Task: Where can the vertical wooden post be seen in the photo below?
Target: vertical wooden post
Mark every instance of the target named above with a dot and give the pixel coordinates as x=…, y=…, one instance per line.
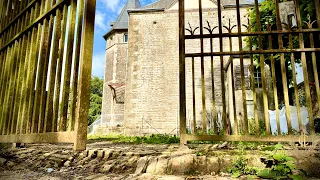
x=182, y=75
x=85, y=76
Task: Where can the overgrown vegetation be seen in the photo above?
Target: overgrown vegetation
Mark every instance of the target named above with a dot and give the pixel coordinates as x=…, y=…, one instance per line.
x=152, y=139
x=278, y=166
x=268, y=18
x=240, y=165
x=95, y=99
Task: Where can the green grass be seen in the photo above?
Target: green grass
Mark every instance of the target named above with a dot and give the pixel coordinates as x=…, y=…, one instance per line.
x=152, y=139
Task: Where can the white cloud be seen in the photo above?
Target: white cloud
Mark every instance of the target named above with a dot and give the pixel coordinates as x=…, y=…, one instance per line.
x=100, y=20
x=113, y=5
x=98, y=64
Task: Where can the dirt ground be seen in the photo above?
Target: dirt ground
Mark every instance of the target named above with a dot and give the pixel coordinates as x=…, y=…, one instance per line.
x=50, y=161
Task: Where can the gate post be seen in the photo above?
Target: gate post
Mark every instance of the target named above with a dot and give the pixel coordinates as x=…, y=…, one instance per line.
x=83, y=102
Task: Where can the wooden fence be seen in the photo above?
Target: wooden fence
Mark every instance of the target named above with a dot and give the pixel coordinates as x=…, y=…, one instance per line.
x=275, y=45
x=45, y=70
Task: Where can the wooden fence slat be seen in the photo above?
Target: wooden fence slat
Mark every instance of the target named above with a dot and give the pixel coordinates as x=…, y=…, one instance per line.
x=85, y=77
x=29, y=105
x=19, y=86
x=58, y=82
x=44, y=77
x=32, y=49
x=67, y=68
x=22, y=73
x=7, y=92
x=76, y=65
x=15, y=89
x=24, y=100
x=39, y=84
x=3, y=89
x=54, y=59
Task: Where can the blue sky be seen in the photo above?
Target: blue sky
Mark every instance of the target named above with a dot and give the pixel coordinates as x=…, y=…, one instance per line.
x=106, y=12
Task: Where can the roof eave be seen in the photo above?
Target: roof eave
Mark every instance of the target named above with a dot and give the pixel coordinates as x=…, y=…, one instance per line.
x=113, y=31
x=145, y=10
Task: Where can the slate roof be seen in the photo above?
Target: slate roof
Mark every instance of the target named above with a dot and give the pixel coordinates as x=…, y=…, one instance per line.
x=164, y=4
x=122, y=21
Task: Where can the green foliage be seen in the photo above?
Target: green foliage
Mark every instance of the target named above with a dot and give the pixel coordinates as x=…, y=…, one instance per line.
x=273, y=148
x=281, y=166
x=268, y=17
x=152, y=139
x=240, y=165
x=95, y=99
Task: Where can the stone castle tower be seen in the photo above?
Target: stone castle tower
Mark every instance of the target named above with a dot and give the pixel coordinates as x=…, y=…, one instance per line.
x=115, y=71
x=141, y=88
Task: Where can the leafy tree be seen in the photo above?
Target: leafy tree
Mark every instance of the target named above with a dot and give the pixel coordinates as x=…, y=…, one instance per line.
x=268, y=19
x=95, y=99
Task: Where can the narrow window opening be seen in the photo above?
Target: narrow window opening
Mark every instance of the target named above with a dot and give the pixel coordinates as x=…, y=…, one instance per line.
x=125, y=38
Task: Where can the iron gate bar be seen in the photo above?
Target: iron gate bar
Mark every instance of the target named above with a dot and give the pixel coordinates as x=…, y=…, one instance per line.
x=244, y=98
x=235, y=127
x=305, y=71
x=273, y=51
x=255, y=107
x=236, y=34
x=182, y=70
x=314, y=63
x=270, y=51
x=215, y=120
x=274, y=83
x=263, y=75
x=224, y=113
x=204, y=109
x=35, y=22
x=295, y=85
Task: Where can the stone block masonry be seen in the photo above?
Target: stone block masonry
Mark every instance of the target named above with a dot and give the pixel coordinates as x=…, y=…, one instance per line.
x=152, y=81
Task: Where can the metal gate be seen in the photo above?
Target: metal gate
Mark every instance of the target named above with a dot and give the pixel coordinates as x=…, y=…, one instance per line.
x=239, y=55
x=45, y=70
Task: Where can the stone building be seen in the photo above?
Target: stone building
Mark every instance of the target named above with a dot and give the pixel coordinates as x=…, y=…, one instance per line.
x=141, y=88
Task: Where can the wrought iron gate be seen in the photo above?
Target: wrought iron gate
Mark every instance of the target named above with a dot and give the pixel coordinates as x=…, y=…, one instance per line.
x=280, y=41
x=45, y=70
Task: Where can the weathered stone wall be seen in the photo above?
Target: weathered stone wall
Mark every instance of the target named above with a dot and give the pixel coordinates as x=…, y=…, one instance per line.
x=152, y=84
x=115, y=72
